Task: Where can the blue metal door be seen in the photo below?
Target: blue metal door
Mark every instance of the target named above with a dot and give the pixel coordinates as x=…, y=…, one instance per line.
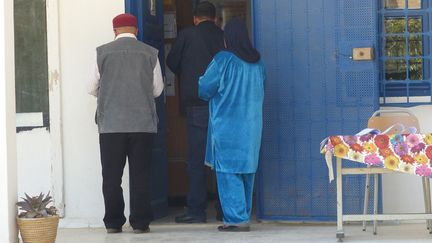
x=313, y=89
x=150, y=24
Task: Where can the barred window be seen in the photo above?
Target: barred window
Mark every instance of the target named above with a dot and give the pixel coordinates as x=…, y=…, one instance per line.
x=405, y=52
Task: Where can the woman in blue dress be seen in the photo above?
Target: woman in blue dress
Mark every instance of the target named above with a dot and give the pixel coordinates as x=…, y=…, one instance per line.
x=234, y=86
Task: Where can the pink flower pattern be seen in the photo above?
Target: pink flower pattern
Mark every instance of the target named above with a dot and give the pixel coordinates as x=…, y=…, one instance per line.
x=412, y=140
x=418, y=148
x=373, y=159
x=350, y=139
x=402, y=146
x=400, y=149
x=424, y=170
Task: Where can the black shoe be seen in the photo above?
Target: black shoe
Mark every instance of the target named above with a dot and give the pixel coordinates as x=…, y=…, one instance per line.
x=187, y=219
x=141, y=231
x=113, y=230
x=233, y=228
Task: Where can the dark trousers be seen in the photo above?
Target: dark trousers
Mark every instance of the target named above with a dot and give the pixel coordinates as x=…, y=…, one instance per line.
x=197, y=123
x=114, y=148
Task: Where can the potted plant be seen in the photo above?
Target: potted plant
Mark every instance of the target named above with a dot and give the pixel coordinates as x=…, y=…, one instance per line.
x=36, y=221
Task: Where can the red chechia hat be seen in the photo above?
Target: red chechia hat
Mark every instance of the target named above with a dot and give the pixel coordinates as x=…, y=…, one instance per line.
x=123, y=20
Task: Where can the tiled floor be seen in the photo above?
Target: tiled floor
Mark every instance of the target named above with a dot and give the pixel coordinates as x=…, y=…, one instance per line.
x=165, y=230
x=261, y=232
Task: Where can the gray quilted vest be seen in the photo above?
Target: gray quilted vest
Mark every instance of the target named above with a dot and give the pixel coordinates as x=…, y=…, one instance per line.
x=125, y=101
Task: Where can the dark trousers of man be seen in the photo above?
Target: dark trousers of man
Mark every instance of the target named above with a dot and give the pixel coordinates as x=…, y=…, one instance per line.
x=197, y=123
x=114, y=148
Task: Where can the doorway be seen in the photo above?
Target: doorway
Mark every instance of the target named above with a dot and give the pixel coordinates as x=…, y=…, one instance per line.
x=313, y=89
x=178, y=14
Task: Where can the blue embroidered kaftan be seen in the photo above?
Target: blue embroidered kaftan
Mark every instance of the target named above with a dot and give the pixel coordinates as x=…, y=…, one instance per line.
x=235, y=91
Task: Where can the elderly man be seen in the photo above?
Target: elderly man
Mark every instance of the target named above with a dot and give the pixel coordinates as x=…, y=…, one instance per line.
x=126, y=81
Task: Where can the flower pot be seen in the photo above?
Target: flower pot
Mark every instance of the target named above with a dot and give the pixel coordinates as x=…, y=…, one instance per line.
x=38, y=230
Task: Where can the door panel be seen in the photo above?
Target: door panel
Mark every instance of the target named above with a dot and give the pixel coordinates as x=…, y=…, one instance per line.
x=150, y=24
x=313, y=90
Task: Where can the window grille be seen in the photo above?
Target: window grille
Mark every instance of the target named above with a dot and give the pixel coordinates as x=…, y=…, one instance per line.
x=405, y=52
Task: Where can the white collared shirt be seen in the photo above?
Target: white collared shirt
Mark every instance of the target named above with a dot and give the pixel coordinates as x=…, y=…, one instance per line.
x=158, y=85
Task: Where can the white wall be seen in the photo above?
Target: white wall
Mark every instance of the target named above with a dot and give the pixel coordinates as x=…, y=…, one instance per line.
x=34, y=168
x=404, y=193
x=84, y=25
x=8, y=176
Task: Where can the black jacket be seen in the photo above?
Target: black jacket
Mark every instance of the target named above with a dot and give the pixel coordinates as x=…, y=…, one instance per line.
x=189, y=57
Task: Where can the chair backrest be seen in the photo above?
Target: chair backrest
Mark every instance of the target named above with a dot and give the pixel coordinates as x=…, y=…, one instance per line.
x=383, y=119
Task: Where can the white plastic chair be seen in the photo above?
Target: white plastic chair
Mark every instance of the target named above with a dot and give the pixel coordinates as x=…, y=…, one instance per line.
x=381, y=120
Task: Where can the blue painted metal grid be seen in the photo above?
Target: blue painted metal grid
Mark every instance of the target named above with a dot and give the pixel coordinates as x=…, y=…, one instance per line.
x=408, y=87
x=313, y=90
x=150, y=31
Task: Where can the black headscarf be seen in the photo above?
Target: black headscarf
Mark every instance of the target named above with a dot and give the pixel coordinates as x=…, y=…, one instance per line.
x=238, y=42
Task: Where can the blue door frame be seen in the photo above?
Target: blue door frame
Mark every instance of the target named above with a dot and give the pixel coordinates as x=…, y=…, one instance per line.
x=150, y=31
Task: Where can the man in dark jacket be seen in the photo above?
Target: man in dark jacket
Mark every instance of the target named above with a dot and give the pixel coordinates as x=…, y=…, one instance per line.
x=189, y=57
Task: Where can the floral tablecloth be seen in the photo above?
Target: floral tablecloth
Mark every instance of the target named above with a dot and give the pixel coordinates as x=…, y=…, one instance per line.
x=406, y=153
